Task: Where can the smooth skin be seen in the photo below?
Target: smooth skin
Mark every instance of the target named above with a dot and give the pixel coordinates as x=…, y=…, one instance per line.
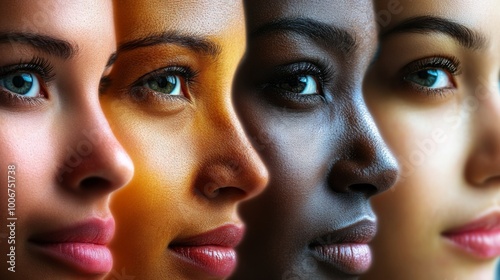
x=298, y=94
x=194, y=163
x=67, y=160
x=435, y=97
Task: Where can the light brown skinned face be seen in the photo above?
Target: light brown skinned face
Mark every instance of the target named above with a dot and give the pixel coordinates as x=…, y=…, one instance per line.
x=193, y=160
x=445, y=135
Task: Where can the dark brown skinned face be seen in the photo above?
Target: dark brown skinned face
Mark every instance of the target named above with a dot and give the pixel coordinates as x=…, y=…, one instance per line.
x=299, y=95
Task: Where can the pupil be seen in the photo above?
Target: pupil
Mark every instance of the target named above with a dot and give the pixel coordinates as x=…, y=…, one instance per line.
x=18, y=81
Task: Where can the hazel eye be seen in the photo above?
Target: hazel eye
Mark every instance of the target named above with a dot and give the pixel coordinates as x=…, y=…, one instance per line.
x=22, y=83
x=301, y=84
x=165, y=84
x=430, y=78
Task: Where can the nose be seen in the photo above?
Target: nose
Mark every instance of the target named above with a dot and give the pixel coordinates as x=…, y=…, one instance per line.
x=363, y=163
x=94, y=162
x=231, y=169
x=483, y=164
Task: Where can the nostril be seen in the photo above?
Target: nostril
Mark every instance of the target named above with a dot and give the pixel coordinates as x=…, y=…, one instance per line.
x=367, y=189
x=94, y=184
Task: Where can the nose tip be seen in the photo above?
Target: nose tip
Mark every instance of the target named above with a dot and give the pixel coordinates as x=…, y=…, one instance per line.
x=96, y=163
x=365, y=164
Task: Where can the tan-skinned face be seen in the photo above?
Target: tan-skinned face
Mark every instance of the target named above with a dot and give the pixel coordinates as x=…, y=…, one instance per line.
x=447, y=141
x=67, y=159
x=184, y=148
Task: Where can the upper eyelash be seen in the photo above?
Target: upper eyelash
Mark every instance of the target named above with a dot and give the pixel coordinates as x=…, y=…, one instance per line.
x=37, y=65
x=451, y=64
x=324, y=74
x=187, y=74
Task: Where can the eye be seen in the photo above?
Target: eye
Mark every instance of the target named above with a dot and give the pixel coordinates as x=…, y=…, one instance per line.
x=165, y=84
x=21, y=83
x=430, y=78
x=301, y=84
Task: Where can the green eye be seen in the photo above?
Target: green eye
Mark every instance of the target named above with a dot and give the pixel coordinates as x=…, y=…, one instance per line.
x=21, y=83
x=166, y=84
x=302, y=84
x=430, y=78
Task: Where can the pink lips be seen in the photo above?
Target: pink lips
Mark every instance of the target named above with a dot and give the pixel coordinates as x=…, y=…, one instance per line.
x=347, y=249
x=480, y=238
x=82, y=246
x=211, y=252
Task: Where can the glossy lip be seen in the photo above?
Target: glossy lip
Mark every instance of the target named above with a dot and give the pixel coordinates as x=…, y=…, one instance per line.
x=346, y=249
x=81, y=246
x=481, y=237
x=211, y=252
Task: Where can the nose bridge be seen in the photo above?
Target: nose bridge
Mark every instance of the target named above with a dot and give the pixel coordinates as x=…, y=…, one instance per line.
x=95, y=162
x=484, y=162
x=365, y=159
x=230, y=161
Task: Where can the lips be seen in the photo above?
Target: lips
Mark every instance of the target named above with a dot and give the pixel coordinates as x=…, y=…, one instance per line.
x=481, y=237
x=346, y=249
x=81, y=246
x=212, y=252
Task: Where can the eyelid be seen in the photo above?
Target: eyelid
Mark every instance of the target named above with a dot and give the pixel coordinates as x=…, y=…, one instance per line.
x=449, y=64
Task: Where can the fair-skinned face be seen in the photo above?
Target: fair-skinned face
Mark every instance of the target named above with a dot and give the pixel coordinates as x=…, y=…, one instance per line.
x=434, y=94
x=67, y=161
x=169, y=98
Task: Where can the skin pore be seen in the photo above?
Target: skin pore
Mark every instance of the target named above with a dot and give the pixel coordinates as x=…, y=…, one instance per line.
x=169, y=100
x=53, y=131
x=298, y=94
x=434, y=94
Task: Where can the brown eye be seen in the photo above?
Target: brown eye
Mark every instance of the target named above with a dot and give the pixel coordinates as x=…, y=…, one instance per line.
x=302, y=84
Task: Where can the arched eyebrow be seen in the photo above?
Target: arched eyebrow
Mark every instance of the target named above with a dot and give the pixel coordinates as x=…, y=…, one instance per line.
x=429, y=24
x=193, y=42
x=44, y=43
x=315, y=30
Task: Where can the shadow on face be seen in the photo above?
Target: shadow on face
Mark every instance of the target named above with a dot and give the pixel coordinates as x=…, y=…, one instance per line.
x=298, y=94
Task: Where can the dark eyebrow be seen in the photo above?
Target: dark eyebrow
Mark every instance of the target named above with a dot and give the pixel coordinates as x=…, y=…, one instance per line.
x=428, y=24
x=47, y=44
x=194, y=42
x=317, y=31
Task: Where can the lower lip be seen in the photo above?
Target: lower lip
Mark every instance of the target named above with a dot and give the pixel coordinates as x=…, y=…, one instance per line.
x=215, y=261
x=85, y=257
x=482, y=244
x=350, y=258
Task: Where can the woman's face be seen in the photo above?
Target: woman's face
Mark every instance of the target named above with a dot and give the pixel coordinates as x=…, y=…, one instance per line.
x=434, y=92
x=169, y=99
x=59, y=159
x=298, y=94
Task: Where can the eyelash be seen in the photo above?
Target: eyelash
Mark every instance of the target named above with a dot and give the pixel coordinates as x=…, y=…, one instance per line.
x=39, y=66
x=139, y=92
x=449, y=64
x=322, y=73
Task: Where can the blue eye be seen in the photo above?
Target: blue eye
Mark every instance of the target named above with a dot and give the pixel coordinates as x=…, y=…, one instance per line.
x=301, y=84
x=166, y=84
x=21, y=83
x=430, y=78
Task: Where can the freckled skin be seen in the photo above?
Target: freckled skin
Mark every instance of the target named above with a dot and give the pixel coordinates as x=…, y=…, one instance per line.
x=39, y=137
x=325, y=158
x=181, y=147
x=450, y=179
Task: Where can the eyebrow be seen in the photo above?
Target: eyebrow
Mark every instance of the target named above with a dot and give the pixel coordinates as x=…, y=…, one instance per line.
x=190, y=41
x=315, y=30
x=44, y=43
x=429, y=24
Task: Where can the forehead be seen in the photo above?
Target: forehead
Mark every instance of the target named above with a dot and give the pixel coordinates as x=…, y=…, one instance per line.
x=58, y=18
x=356, y=16
x=205, y=17
x=480, y=15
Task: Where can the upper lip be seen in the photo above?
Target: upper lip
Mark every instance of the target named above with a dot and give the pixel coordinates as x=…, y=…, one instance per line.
x=225, y=236
x=94, y=231
x=488, y=222
x=361, y=232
